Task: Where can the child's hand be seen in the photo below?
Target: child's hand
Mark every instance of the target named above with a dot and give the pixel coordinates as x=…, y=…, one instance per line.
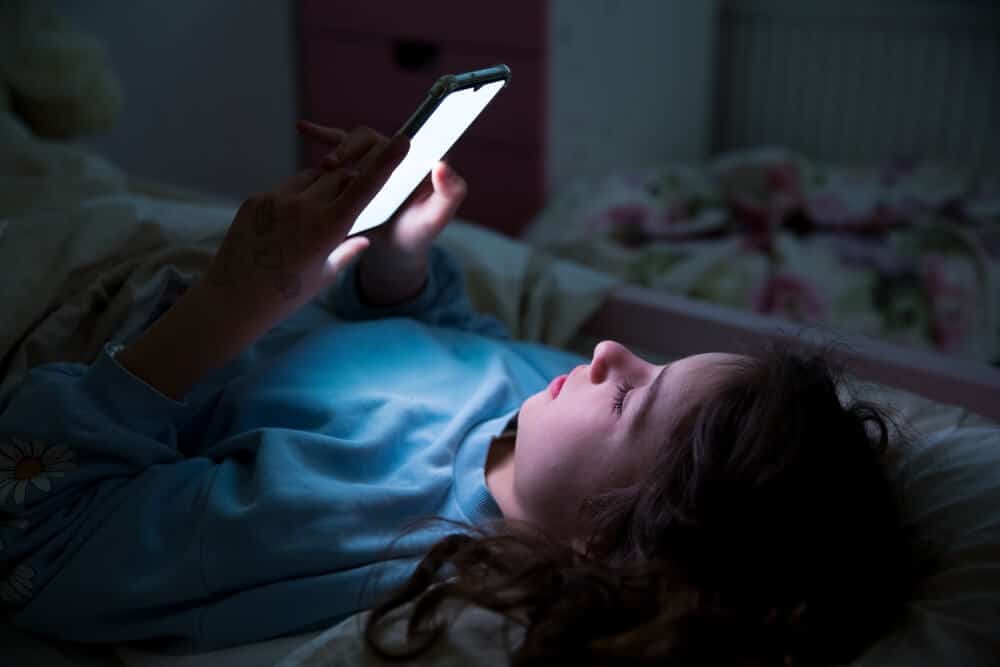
x=283, y=247
x=395, y=267
x=425, y=214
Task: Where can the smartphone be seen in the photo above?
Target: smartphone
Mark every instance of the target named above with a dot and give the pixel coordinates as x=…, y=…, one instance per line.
x=453, y=102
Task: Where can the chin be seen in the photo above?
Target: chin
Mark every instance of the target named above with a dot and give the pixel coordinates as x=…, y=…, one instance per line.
x=532, y=403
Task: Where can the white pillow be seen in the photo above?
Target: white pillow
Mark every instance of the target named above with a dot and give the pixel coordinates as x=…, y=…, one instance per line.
x=950, y=485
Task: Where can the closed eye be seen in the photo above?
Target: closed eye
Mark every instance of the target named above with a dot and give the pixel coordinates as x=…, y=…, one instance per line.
x=623, y=389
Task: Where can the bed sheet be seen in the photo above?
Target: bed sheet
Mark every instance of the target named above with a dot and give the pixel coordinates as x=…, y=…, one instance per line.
x=260, y=654
x=908, y=253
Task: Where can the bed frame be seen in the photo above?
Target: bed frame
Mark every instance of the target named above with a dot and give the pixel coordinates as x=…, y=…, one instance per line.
x=675, y=326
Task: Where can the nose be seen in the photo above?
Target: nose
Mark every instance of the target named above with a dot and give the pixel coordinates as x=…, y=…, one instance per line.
x=607, y=355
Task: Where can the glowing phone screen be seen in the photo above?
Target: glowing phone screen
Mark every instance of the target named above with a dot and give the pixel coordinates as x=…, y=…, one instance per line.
x=437, y=135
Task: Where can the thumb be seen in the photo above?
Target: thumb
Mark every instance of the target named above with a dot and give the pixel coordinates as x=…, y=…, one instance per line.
x=343, y=255
x=449, y=193
x=447, y=182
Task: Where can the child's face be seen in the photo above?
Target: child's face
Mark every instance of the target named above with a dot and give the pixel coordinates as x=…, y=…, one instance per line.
x=599, y=428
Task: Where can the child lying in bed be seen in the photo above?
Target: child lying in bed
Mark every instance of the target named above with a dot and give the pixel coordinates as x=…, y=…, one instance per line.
x=238, y=471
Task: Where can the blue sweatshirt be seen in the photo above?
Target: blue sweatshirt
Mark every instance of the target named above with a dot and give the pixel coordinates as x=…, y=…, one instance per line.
x=265, y=502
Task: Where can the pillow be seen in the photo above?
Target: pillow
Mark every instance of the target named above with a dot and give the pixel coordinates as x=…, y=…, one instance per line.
x=949, y=483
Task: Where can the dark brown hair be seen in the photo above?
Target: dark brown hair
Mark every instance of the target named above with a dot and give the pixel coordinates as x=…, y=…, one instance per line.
x=766, y=533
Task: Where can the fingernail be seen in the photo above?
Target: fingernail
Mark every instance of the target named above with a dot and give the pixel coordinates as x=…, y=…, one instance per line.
x=331, y=160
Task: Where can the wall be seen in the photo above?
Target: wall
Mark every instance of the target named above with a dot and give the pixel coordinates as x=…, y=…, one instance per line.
x=211, y=92
x=862, y=82
x=631, y=83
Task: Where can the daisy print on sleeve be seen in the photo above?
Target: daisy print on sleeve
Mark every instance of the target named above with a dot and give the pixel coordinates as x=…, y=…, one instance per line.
x=17, y=586
x=30, y=464
x=11, y=524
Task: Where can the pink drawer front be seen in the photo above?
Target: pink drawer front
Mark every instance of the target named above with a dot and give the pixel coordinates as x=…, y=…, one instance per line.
x=506, y=185
x=361, y=82
x=517, y=23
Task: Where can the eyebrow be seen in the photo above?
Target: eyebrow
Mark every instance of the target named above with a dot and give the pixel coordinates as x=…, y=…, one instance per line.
x=648, y=398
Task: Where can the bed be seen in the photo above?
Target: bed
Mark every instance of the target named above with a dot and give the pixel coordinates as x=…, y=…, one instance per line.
x=117, y=238
x=903, y=254
x=832, y=190
x=84, y=246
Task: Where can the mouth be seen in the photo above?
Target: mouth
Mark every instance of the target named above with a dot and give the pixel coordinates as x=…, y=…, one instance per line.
x=556, y=385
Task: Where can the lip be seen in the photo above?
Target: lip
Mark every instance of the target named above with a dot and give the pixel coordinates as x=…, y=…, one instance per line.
x=556, y=385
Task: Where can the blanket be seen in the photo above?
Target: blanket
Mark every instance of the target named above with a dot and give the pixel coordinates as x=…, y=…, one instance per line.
x=908, y=252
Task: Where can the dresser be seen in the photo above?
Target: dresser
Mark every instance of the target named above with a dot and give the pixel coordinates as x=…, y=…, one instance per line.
x=371, y=62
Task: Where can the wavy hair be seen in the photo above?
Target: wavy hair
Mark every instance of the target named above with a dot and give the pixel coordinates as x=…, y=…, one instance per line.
x=765, y=533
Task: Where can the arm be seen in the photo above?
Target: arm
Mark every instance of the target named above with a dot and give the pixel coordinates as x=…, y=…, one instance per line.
x=194, y=337
x=280, y=251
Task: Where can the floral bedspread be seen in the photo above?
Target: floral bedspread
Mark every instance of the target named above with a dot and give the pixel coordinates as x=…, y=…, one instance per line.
x=908, y=252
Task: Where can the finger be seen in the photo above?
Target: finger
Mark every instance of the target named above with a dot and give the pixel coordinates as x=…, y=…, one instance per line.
x=355, y=145
x=449, y=193
x=298, y=182
x=332, y=136
x=448, y=183
x=344, y=254
x=327, y=187
x=352, y=201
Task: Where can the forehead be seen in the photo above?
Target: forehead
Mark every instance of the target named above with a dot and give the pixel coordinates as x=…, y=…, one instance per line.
x=686, y=382
x=708, y=364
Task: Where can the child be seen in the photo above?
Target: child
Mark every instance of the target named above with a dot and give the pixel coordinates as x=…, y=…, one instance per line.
x=237, y=471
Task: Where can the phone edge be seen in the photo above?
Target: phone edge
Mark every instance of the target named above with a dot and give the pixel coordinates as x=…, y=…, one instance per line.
x=448, y=84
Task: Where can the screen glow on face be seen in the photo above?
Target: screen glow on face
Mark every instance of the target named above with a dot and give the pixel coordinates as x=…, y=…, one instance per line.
x=437, y=135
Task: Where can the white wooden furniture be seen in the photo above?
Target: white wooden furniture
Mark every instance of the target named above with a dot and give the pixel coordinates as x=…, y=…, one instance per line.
x=676, y=326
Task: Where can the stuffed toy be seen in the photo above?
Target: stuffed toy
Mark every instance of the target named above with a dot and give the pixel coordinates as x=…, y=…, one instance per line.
x=56, y=79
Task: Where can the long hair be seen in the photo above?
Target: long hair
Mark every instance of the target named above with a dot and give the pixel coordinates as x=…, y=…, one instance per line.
x=765, y=533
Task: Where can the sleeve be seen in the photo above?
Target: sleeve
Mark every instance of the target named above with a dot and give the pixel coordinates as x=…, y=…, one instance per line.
x=443, y=301
x=66, y=427
x=98, y=508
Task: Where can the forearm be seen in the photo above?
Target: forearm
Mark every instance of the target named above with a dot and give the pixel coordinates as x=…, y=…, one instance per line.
x=198, y=334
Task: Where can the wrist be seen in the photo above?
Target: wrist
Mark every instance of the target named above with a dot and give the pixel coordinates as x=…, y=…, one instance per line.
x=196, y=335
x=388, y=278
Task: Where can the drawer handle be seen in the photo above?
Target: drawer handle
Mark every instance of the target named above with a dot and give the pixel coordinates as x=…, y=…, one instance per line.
x=413, y=55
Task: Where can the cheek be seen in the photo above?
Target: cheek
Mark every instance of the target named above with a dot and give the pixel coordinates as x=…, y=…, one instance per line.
x=556, y=464
x=546, y=488
x=544, y=464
